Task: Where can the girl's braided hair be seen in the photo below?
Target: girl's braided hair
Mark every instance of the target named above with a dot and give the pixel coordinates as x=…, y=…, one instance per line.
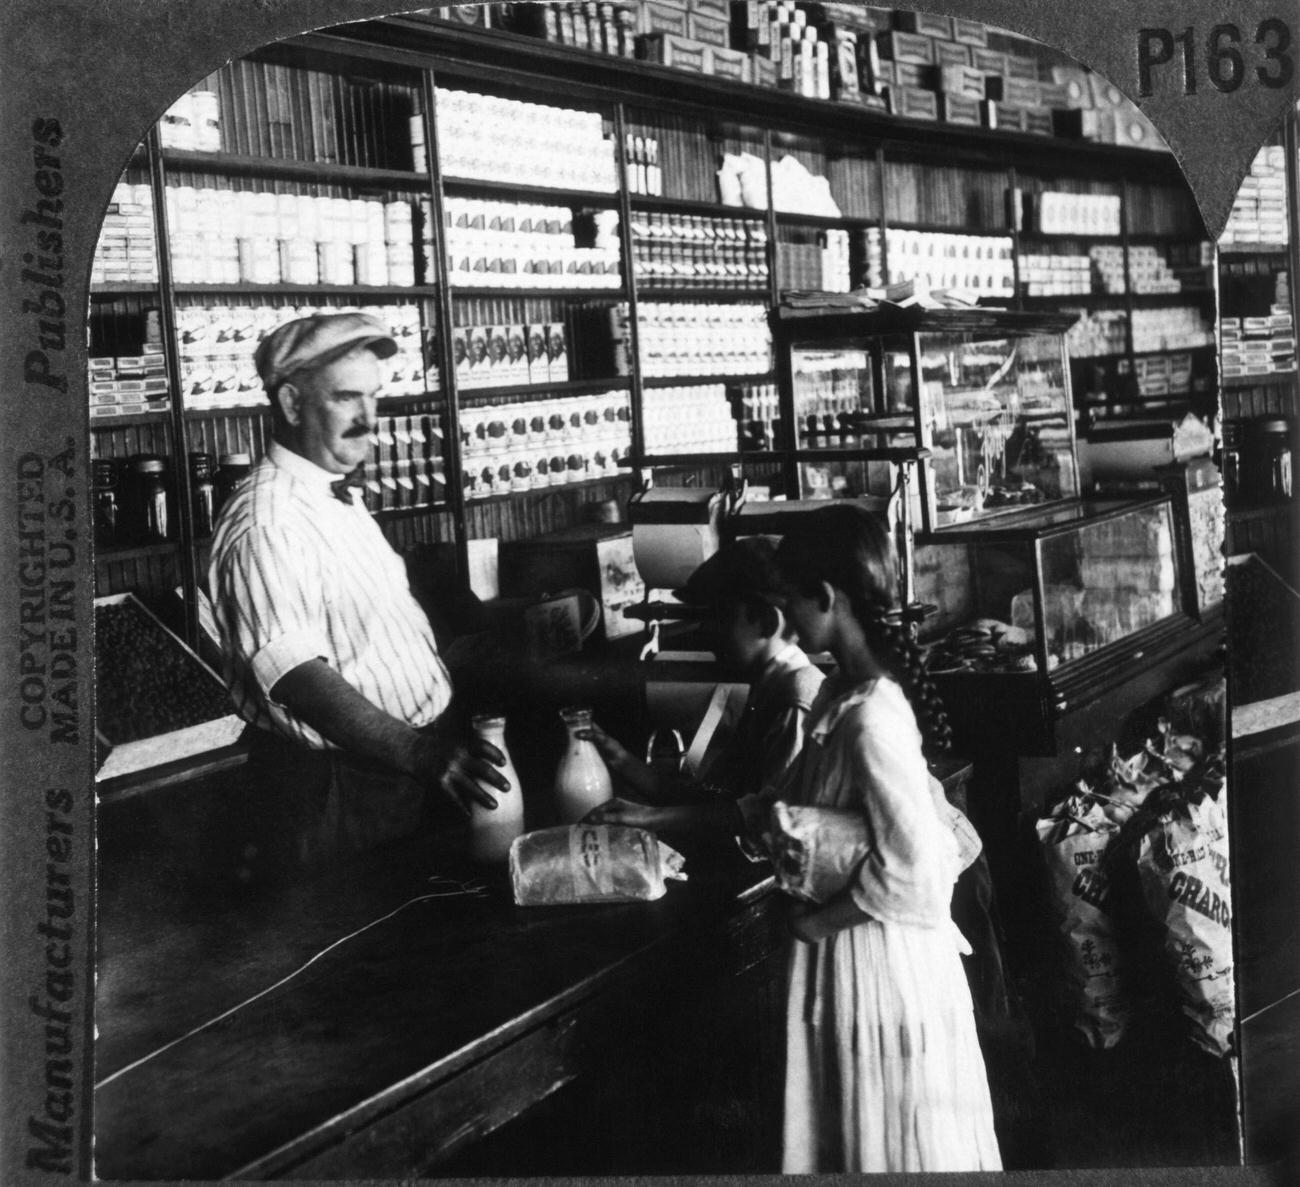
x=846, y=546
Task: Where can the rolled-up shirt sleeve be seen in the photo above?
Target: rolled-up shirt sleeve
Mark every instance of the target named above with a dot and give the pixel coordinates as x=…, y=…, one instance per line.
x=269, y=591
x=907, y=876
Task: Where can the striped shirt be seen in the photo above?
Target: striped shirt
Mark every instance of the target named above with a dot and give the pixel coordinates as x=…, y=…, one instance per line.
x=296, y=574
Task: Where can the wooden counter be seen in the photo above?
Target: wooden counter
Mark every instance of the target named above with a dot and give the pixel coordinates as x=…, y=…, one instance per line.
x=401, y=1045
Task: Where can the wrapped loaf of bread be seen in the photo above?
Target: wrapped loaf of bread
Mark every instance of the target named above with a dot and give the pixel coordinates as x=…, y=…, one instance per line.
x=591, y=863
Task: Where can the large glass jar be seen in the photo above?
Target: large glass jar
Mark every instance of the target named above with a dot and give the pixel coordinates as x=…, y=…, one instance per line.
x=104, y=484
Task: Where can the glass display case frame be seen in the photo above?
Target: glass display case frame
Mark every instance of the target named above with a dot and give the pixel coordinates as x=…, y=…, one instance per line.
x=902, y=425
x=1022, y=707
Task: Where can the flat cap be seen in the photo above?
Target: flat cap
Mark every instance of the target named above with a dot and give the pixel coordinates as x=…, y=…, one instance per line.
x=741, y=569
x=316, y=340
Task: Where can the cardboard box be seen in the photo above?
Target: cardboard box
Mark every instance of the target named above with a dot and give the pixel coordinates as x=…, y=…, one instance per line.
x=924, y=23
x=709, y=30
x=667, y=49
x=951, y=53
x=661, y=16
x=914, y=103
x=1038, y=121
x=731, y=63
x=906, y=47
x=969, y=32
x=962, y=80
x=988, y=61
x=1022, y=68
x=958, y=109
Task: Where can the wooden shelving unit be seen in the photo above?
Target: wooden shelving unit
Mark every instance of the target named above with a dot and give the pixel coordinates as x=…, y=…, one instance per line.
x=377, y=77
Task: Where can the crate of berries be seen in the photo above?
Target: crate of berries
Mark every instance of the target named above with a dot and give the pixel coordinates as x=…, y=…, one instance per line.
x=156, y=701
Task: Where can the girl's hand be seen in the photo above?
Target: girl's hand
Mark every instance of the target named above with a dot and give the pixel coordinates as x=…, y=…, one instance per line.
x=617, y=811
x=811, y=922
x=804, y=923
x=621, y=762
x=611, y=750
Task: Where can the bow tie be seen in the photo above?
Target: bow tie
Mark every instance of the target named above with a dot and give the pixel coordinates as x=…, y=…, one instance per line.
x=341, y=488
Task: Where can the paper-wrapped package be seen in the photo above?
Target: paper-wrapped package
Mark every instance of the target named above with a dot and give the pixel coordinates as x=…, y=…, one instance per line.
x=816, y=850
x=1074, y=839
x=591, y=863
x=1183, y=865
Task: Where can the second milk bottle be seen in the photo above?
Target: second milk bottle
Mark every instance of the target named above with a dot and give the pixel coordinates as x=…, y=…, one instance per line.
x=581, y=780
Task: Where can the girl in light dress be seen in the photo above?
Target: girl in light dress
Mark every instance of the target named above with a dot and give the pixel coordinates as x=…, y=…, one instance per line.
x=884, y=1071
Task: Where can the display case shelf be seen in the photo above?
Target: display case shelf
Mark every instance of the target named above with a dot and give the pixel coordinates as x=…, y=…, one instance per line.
x=696, y=379
x=655, y=203
x=574, y=387
x=509, y=191
x=378, y=291
x=314, y=172
x=129, y=420
x=475, y=292
x=663, y=292
x=123, y=288
x=832, y=222
x=1272, y=379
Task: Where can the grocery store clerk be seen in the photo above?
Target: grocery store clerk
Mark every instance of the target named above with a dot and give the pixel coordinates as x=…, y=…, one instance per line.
x=325, y=650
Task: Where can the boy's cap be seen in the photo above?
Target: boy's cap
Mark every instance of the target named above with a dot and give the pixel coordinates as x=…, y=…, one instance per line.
x=316, y=340
x=744, y=568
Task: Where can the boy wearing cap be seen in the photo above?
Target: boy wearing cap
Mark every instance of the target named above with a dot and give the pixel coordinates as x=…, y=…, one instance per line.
x=739, y=590
x=325, y=649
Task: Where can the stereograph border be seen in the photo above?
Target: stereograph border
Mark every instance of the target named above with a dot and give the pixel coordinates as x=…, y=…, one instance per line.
x=80, y=82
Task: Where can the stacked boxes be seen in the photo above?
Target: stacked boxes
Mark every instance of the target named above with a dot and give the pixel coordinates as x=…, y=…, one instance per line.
x=605, y=28
x=684, y=250
x=821, y=264
x=696, y=419
x=246, y=237
x=534, y=144
x=1098, y=332
x=407, y=468
x=1055, y=275
x=981, y=264
x=917, y=65
x=1258, y=345
x=1161, y=375
x=1259, y=210
x=683, y=338
x=517, y=446
x=1176, y=328
x=127, y=252
x=1055, y=213
x=128, y=383
x=193, y=122
x=505, y=355
x=512, y=245
x=217, y=344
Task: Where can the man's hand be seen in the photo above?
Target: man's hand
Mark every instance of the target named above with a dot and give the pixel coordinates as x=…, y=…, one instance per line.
x=462, y=770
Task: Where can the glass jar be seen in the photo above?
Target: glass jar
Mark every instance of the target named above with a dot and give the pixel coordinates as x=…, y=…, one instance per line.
x=151, y=488
x=232, y=470
x=104, y=495
x=1274, y=473
x=491, y=831
x=203, y=492
x=582, y=780
x=1230, y=461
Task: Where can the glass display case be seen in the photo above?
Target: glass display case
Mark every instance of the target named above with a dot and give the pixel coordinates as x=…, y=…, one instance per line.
x=1050, y=607
x=986, y=392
